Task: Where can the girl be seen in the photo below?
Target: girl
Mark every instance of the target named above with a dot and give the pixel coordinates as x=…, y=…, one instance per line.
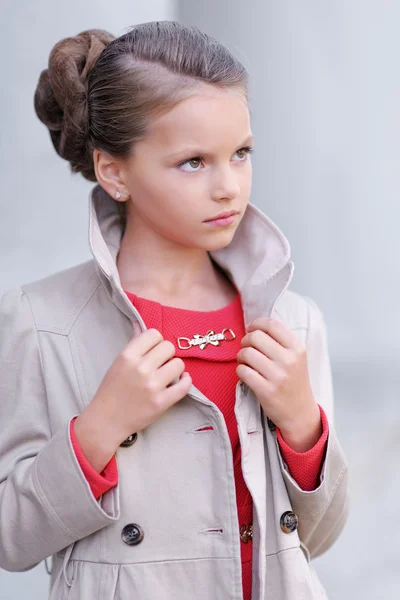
x=166, y=407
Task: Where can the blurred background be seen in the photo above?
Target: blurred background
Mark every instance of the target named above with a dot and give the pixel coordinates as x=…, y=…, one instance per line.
x=325, y=102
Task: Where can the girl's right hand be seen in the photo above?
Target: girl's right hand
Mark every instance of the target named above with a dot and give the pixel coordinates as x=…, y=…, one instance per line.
x=136, y=390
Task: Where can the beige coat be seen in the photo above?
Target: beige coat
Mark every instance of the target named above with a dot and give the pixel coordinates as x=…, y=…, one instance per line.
x=59, y=336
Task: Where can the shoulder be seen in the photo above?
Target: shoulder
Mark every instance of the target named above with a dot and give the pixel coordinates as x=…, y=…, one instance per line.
x=292, y=308
x=56, y=300
x=299, y=312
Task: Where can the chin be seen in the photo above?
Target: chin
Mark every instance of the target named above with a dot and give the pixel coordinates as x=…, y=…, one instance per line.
x=220, y=241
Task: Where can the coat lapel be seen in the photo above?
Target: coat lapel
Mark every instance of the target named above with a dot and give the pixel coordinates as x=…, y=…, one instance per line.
x=257, y=260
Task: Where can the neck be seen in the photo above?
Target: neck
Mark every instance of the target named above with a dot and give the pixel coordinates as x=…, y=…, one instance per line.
x=154, y=267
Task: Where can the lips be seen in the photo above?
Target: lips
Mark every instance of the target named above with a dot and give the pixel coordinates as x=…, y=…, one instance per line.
x=223, y=215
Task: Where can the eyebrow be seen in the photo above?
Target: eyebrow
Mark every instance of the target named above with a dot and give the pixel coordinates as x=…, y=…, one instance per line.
x=194, y=151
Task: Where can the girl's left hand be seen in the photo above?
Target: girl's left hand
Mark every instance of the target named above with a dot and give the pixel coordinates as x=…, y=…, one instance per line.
x=273, y=363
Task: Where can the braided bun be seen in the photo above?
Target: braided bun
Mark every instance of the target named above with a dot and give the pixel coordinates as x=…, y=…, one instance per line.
x=60, y=98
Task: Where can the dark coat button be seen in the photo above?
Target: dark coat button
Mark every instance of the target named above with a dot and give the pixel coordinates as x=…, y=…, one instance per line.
x=271, y=424
x=289, y=522
x=132, y=534
x=129, y=440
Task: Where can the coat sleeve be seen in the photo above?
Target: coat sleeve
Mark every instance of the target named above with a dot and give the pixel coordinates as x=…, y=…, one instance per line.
x=45, y=501
x=322, y=512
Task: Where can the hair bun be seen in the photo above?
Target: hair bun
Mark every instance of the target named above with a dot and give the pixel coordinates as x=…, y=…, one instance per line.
x=61, y=93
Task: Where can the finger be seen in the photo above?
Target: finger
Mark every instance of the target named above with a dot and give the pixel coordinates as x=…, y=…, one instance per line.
x=166, y=374
x=175, y=392
x=157, y=356
x=256, y=382
x=278, y=330
x=257, y=361
x=144, y=342
x=265, y=344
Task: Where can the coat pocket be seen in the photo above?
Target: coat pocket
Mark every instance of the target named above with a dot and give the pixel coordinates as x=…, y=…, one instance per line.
x=85, y=580
x=289, y=576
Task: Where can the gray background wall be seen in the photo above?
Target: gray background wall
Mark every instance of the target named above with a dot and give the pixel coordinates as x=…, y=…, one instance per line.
x=325, y=105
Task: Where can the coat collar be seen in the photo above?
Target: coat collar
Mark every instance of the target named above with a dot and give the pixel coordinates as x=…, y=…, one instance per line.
x=257, y=260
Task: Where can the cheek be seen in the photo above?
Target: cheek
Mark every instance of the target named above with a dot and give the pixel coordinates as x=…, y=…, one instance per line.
x=165, y=211
x=169, y=200
x=246, y=180
x=172, y=184
x=180, y=198
x=154, y=197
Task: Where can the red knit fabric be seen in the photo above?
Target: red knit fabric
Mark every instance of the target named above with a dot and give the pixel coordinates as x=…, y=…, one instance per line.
x=213, y=372
x=305, y=467
x=99, y=482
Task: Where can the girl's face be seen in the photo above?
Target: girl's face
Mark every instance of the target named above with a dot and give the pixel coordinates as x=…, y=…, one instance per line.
x=194, y=164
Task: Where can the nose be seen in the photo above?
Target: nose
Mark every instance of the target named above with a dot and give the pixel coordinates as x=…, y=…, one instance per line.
x=225, y=184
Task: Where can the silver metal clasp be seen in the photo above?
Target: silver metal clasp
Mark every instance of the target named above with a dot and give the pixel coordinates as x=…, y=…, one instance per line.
x=210, y=338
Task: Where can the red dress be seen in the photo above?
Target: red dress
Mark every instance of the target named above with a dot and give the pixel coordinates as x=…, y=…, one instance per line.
x=213, y=372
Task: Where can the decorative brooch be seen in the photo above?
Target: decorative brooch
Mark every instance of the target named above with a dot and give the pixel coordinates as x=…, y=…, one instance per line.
x=210, y=338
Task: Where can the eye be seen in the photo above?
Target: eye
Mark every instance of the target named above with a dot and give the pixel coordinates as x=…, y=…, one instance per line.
x=193, y=164
x=243, y=152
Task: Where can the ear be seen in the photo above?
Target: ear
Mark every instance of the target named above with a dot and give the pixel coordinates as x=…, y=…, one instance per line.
x=110, y=173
